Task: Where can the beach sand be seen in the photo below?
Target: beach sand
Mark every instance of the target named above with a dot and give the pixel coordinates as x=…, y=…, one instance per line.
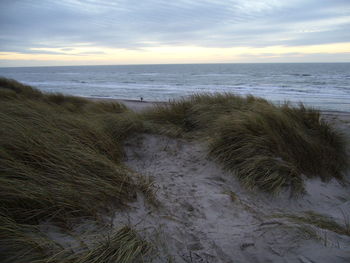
x=135, y=105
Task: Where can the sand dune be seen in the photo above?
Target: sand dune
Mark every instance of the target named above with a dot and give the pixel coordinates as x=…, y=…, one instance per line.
x=206, y=216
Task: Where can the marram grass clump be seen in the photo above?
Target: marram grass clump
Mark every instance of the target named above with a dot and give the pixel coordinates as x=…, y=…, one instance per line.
x=276, y=146
x=60, y=160
x=198, y=112
x=320, y=221
x=265, y=145
x=123, y=245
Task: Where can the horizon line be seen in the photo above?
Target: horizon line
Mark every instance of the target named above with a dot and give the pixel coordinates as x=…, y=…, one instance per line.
x=167, y=64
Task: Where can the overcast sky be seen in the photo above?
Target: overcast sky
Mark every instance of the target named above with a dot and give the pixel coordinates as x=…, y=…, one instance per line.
x=73, y=32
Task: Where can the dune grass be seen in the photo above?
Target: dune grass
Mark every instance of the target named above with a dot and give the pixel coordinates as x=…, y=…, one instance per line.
x=197, y=113
x=26, y=243
x=60, y=159
x=123, y=245
x=265, y=145
x=319, y=221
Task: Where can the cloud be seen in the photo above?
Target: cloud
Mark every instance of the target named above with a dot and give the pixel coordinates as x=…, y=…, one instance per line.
x=132, y=24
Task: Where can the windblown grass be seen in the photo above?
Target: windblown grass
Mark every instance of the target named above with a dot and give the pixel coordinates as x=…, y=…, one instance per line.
x=267, y=146
x=13, y=89
x=60, y=159
x=198, y=112
x=72, y=155
x=319, y=221
x=26, y=243
x=22, y=243
x=124, y=245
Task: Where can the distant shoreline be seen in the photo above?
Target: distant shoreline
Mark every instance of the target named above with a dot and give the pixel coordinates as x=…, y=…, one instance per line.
x=139, y=105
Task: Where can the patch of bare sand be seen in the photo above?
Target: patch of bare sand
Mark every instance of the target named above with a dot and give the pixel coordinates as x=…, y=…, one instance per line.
x=204, y=215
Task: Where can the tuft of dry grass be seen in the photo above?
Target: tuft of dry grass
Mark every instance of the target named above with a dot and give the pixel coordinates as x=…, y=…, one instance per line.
x=13, y=89
x=123, y=245
x=319, y=221
x=24, y=242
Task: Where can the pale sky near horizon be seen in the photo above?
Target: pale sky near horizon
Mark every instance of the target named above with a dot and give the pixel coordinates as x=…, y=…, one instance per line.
x=91, y=32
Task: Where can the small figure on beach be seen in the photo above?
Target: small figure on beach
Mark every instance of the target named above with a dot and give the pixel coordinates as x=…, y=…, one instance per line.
x=141, y=99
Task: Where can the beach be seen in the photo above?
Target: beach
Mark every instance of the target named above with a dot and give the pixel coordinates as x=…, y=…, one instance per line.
x=211, y=178
x=175, y=131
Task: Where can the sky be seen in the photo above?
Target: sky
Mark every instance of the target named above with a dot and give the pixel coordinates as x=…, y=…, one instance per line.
x=106, y=32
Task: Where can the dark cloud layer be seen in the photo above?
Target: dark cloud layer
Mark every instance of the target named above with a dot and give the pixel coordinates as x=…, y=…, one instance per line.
x=26, y=24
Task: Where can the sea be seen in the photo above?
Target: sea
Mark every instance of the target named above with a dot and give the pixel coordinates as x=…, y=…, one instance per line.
x=325, y=86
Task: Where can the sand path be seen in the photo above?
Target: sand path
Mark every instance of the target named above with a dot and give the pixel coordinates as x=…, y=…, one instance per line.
x=204, y=215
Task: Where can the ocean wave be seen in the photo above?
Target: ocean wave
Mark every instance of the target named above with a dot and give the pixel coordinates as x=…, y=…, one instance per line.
x=300, y=75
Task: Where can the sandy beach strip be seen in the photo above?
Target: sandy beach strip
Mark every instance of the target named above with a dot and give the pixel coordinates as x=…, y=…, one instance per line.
x=135, y=105
x=138, y=106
